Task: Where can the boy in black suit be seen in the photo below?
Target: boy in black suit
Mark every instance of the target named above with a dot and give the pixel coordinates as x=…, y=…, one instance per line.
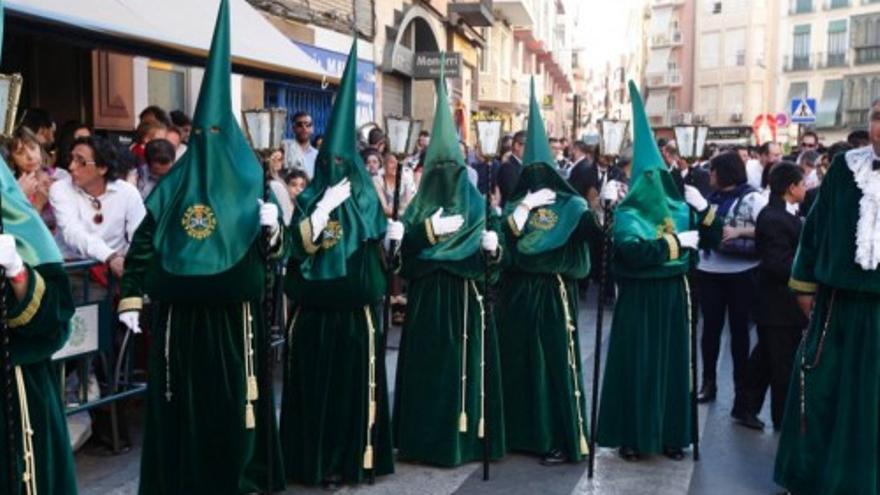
x=779, y=319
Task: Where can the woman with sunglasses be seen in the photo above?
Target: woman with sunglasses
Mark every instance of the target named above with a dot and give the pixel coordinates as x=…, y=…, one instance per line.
x=96, y=211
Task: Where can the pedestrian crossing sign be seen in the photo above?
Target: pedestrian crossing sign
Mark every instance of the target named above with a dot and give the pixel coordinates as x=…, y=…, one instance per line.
x=803, y=110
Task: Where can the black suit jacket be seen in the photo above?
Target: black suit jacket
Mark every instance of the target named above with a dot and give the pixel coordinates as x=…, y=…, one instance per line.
x=696, y=177
x=508, y=176
x=776, y=238
x=809, y=199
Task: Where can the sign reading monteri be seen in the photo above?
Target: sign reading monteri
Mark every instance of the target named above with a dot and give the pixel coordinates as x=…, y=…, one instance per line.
x=427, y=65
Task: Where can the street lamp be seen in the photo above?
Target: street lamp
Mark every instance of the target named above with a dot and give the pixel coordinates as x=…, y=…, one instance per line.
x=613, y=135
x=489, y=142
x=691, y=139
x=398, y=131
x=264, y=128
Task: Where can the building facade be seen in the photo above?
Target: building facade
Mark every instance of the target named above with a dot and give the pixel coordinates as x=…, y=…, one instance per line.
x=832, y=54
x=734, y=73
x=669, y=74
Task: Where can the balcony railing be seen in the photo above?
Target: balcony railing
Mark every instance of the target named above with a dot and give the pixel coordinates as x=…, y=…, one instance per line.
x=856, y=117
x=671, y=38
x=797, y=63
x=832, y=60
x=867, y=55
x=672, y=78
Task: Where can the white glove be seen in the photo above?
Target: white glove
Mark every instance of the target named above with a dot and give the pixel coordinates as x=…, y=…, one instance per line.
x=131, y=319
x=394, y=231
x=333, y=197
x=269, y=216
x=9, y=258
x=541, y=197
x=689, y=239
x=445, y=225
x=694, y=198
x=532, y=200
x=489, y=241
x=610, y=192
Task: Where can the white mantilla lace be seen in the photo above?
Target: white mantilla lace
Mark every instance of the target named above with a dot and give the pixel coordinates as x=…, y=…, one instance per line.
x=868, y=228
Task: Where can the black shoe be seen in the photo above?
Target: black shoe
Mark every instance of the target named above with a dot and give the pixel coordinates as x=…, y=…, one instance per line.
x=554, y=458
x=748, y=420
x=332, y=483
x=628, y=454
x=707, y=393
x=674, y=454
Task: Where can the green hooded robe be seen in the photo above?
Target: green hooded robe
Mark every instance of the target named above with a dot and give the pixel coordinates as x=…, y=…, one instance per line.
x=646, y=391
x=334, y=413
x=442, y=406
x=198, y=255
x=38, y=326
x=544, y=403
x=830, y=441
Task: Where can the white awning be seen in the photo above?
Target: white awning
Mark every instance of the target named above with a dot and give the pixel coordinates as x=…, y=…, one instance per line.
x=656, y=105
x=658, y=61
x=180, y=25
x=660, y=19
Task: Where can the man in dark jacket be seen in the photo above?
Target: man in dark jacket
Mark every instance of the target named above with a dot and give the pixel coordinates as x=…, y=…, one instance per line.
x=779, y=319
x=684, y=173
x=508, y=174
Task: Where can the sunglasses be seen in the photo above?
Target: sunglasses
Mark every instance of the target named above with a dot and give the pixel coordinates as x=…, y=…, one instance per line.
x=98, y=219
x=303, y=124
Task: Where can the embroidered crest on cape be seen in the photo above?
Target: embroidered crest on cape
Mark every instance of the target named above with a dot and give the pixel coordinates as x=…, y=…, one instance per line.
x=543, y=219
x=199, y=221
x=332, y=234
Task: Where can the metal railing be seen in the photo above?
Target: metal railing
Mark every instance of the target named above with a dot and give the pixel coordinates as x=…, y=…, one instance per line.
x=794, y=63
x=97, y=341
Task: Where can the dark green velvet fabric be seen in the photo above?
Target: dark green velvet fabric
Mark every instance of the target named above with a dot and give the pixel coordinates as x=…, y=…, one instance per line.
x=197, y=442
x=540, y=406
x=326, y=375
x=646, y=386
x=32, y=347
x=429, y=368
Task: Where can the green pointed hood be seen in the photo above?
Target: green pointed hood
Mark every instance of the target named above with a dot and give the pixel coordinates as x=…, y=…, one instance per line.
x=206, y=207
x=653, y=206
x=33, y=241
x=549, y=227
x=445, y=184
x=360, y=218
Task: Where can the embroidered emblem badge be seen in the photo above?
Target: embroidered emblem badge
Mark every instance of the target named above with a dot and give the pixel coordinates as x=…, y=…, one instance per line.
x=199, y=221
x=543, y=219
x=332, y=234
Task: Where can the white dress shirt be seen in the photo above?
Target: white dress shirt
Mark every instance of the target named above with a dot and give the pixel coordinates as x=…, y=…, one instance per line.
x=296, y=157
x=122, y=209
x=754, y=173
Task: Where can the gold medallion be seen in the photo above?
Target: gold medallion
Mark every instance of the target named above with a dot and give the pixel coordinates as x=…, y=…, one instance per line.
x=199, y=221
x=543, y=219
x=331, y=235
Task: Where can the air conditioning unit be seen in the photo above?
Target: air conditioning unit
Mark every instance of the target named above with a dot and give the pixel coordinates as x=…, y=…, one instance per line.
x=736, y=117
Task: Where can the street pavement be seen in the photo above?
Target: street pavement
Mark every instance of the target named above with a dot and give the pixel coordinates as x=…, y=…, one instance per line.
x=734, y=460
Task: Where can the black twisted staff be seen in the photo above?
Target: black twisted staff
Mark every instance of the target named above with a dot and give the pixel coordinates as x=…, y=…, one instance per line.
x=266, y=363
x=487, y=302
x=8, y=379
x=597, y=352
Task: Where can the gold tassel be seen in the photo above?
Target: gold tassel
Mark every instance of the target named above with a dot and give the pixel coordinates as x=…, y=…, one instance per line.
x=368, y=457
x=584, y=448
x=462, y=422
x=250, y=422
x=481, y=432
x=252, y=389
